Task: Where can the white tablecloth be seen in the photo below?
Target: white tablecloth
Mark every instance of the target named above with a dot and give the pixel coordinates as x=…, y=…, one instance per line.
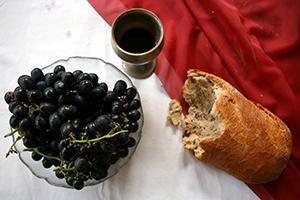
x=35, y=33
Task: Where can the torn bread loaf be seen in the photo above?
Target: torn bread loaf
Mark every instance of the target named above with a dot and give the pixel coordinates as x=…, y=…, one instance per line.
x=227, y=130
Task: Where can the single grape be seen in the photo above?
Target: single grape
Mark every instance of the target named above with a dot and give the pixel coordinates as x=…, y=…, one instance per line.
x=118, y=118
x=131, y=142
x=34, y=96
x=37, y=75
x=102, y=123
x=68, y=79
x=59, y=68
x=20, y=111
x=130, y=126
x=30, y=142
x=134, y=115
x=60, y=87
x=40, y=122
x=78, y=184
x=94, y=78
x=59, y=175
x=50, y=79
x=103, y=86
x=66, y=129
x=60, y=75
x=120, y=87
x=130, y=94
x=97, y=93
x=114, y=157
x=76, y=73
x=9, y=96
x=81, y=164
x=123, y=152
x=134, y=126
x=63, y=143
x=65, y=153
x=78, y=100
x=123, y=138
x=20, y=94
x=110, y=97
x=35, y=156
x=12, y=105
x=66, y=98
x=47, y=108
x=13, y=121
x=84, y=87
x=83, y=76
x=47, y=163
x=67, y=112
x=41, y=85
x=25, y=124
x=116, y=108
x=49, y=94
x=26, y=82
x=106, y=147
x=69, y=180
x=54, y=121
x=134, y=104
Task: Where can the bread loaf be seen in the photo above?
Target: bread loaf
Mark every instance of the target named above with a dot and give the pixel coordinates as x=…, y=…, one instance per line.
x=227, y=130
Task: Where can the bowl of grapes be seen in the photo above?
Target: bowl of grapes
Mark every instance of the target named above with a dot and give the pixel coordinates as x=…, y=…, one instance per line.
x=74, y=123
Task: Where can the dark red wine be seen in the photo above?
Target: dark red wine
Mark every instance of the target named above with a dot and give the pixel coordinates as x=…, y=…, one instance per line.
x=137, y=40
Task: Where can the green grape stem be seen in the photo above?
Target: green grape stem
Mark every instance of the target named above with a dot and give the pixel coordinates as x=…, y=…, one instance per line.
x=109, y=135
x=62, y=169
x=11, y=133
x=11, y=148
x=44, y=155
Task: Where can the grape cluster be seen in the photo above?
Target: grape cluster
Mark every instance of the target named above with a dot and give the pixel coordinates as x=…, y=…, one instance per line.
x=73, y=122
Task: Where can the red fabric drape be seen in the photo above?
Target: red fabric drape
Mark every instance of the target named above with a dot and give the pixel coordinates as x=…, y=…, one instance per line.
x=253, y=44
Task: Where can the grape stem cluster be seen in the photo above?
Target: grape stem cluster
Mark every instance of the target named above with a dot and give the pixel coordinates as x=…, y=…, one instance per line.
x=116, y=130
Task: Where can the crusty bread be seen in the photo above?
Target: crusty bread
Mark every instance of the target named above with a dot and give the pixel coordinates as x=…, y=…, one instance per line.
x=227, y=130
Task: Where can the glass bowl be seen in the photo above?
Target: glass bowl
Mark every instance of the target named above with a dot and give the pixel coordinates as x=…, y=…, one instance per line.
x=107, y=73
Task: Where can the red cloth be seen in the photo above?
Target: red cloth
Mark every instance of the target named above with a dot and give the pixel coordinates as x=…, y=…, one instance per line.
x=253, y=44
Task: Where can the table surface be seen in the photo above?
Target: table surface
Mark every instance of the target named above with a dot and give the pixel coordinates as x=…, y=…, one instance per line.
x=36, y=33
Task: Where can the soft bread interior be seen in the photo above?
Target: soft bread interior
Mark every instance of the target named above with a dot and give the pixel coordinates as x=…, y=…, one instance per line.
x=202, y=120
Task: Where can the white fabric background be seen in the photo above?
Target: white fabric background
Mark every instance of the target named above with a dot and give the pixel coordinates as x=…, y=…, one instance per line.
x=35, y=33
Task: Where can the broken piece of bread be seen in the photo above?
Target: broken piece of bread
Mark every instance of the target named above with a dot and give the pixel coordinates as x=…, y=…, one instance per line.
x=175, y=112
x=227, y=130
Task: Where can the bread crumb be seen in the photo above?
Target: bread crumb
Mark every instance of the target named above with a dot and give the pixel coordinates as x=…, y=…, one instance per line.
x=175, y=112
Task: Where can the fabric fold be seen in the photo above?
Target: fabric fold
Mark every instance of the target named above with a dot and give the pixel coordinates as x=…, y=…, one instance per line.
x=254, y=45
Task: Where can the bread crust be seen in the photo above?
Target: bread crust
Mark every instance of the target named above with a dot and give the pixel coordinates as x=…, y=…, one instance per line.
x=254, y=146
